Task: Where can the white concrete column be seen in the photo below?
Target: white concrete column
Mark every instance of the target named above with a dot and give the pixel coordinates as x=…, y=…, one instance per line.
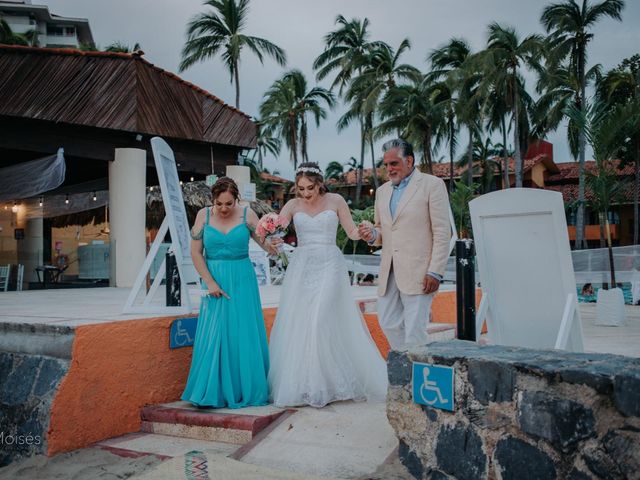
x=30, y=248
x=127, y=205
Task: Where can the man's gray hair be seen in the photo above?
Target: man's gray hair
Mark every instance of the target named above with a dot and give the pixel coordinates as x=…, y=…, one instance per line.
x=406, y=149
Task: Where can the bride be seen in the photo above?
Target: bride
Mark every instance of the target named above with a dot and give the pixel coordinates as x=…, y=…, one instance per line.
x=320, y=348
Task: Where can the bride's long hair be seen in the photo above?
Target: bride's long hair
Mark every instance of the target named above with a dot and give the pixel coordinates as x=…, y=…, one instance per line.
x=312, y=171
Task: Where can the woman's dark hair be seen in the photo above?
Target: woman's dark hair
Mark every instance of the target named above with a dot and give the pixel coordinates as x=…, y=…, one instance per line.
x=312, y=171
x=225, y=184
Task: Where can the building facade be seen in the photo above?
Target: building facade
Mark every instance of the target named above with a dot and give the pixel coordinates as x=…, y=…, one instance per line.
x=50, y=30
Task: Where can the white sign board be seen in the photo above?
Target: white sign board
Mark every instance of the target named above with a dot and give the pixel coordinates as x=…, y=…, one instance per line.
x=177, y=224
x=524, y=261
x=172, y=197
x=248, y=192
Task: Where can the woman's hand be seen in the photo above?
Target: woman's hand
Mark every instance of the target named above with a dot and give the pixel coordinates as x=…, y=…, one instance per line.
x=275, y=241
x=214, y=290
x=273, y=249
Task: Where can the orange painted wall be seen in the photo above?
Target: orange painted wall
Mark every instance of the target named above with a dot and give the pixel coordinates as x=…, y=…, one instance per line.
x=116, y=369
x=376, y=332
x=443, y=308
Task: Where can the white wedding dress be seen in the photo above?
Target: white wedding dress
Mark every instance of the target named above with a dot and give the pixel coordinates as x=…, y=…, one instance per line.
x=320, y=348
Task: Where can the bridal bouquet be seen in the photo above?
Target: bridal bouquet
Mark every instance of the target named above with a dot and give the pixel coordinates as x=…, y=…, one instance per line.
x=273, y=225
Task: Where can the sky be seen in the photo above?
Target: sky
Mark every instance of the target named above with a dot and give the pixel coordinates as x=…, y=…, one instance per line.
x=298, y=26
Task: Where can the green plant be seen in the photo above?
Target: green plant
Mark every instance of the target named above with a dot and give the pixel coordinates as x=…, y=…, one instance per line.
x=459, y=199
x=358, y=216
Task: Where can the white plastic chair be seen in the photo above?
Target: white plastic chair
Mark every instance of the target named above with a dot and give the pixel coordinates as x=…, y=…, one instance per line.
x=4, y=277
x=524, y=260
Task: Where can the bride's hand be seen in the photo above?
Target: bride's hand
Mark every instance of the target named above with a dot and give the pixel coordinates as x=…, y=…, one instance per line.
x=275, y=241
x=366, y=231
x=273, y=249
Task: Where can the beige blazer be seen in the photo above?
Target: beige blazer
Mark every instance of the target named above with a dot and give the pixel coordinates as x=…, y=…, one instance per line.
x=417, y=240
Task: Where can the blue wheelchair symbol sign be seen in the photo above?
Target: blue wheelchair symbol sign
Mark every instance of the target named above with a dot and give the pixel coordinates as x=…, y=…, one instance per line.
x=433, y=385
x=183, y=332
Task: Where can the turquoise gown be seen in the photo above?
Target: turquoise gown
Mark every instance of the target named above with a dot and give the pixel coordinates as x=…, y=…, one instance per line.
x=230, y=360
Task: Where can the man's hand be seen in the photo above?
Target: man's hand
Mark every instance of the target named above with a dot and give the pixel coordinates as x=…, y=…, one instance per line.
x=430, y=284
x=365, y=229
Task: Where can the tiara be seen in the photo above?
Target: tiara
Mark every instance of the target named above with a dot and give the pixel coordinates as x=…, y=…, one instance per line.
x=308, y=170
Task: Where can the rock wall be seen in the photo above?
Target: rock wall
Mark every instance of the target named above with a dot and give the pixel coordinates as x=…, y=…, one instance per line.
x=519, y=414
x=28, y=384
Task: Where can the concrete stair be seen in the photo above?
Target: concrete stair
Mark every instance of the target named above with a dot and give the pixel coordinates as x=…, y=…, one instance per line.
x=181, y=419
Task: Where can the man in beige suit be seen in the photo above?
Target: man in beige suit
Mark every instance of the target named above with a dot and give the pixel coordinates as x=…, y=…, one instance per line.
x=412, y=225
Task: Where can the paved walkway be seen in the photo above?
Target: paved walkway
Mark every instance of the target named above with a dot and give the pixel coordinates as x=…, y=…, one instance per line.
x=343, y=440
x=83, y=306
x=624, y=340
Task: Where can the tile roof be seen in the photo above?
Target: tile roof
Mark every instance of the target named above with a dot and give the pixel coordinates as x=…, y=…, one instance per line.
x=571, y=170
x=273, y=178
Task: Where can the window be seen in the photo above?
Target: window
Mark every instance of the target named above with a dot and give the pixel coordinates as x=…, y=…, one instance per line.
x=60, y=31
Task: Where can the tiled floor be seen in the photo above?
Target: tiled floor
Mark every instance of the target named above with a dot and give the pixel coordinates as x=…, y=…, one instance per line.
x=82, y=306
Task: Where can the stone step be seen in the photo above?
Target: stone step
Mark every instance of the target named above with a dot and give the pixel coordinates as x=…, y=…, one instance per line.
x=181, y=419
x=134, y=445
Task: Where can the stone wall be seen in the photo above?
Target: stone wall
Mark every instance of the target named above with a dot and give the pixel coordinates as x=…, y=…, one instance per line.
x=33, y=361
x=519, y=414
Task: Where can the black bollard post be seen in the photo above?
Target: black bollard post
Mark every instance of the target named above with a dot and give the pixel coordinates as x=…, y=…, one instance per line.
x=466, y=290
x=172, y=281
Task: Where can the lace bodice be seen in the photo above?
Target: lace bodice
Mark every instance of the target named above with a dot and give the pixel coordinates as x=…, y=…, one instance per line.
x=317, y=230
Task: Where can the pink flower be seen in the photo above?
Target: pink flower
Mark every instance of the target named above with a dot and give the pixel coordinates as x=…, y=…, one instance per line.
x=271, y=224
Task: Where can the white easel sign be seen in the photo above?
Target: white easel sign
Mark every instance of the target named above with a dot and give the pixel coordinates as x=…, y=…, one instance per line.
x=176, y=223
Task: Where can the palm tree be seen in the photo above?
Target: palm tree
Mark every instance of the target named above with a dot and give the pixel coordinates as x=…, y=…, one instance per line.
x=286, y=106
x=621, y=86
x=449, y=64
x=120, y=47
x=352, y=164
x=569, y=25
x=265, y=143
x=444, y=96
x=334, y=170
x=496, y=112
x=559, y=91
x=501, y=61
x=411, y=110
x=605, y=129
x=347, y=50
x=460, y=197
x=380, y=72
x=484, y=157
x=9, y=37
x=220, y=30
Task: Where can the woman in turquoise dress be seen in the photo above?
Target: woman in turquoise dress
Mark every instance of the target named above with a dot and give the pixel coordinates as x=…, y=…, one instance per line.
x=230, y=360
